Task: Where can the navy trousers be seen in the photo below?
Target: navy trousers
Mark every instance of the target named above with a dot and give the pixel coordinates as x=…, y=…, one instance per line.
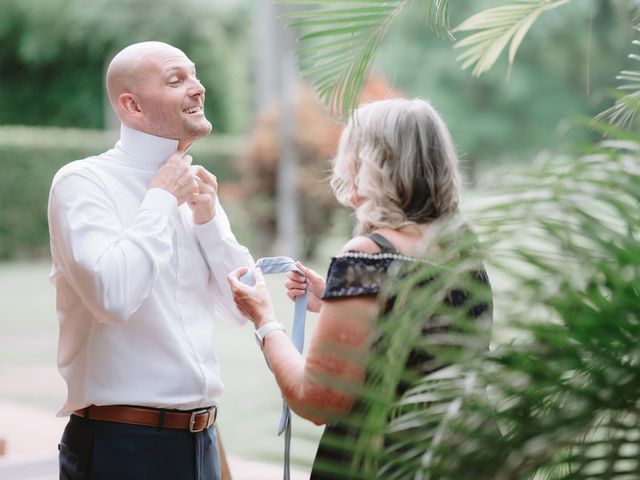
x=98, y=450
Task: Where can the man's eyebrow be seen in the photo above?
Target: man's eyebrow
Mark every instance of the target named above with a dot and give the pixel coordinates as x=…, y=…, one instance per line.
x=190, y=66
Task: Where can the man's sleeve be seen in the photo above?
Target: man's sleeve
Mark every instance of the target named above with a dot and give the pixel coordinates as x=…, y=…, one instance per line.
x=223, y=254
x=113, y=267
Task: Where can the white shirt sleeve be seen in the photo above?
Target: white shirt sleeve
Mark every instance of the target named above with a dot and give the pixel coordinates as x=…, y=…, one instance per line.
x=113, y=267
x=223, y=254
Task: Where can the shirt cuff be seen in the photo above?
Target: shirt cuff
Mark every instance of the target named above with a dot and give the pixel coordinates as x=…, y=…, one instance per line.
x=159, y=200
x=212, y=232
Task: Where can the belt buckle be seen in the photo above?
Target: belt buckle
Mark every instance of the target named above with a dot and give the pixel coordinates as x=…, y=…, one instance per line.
x=210, y=418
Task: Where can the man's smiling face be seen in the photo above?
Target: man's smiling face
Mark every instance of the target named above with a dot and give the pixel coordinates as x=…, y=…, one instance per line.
x=170, y=96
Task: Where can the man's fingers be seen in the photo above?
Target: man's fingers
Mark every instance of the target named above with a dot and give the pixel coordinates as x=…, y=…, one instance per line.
x=198, y=198
x=203, y=187
x=180, y=158
x=206, y=176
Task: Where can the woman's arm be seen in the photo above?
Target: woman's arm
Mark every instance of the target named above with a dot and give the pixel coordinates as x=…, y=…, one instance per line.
x=326, y=383
x=335, y=366
x=323, y=385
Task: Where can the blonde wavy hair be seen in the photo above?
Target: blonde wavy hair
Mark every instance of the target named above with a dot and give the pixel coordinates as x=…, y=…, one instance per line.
x=396, y=165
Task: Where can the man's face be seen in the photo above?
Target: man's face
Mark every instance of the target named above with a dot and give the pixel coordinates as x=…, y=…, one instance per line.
x=172, y=97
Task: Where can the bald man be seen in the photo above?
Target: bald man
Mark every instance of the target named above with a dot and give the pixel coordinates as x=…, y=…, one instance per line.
x=141, y=249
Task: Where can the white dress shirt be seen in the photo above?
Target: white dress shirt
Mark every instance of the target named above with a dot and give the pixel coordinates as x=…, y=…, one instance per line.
x=137, y=282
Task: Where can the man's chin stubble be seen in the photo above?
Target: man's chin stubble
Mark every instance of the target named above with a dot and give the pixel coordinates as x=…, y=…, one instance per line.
x=199, y=131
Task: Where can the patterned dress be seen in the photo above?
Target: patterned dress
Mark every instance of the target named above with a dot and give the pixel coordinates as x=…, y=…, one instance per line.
x=356, y=273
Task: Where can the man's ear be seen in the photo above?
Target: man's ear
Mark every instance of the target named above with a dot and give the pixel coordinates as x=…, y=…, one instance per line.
x=129, y=103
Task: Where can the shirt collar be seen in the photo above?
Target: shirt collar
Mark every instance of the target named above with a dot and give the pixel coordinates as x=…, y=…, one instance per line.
x=145, y=150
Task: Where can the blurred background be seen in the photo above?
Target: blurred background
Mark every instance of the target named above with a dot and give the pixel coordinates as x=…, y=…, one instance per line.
x=271, y=148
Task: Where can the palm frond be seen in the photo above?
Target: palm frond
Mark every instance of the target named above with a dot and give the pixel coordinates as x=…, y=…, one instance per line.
x=438, y=14
x=562, y=402
x=498, y=27
x=623, y=113
x=340, y=42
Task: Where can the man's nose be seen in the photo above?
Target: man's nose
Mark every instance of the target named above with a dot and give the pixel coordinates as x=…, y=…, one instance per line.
x=197, y=88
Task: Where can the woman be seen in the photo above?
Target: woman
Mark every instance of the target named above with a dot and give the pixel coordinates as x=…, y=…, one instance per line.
x=396, y=167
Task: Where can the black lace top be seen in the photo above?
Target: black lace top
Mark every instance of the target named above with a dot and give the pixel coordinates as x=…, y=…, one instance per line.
x=356, y=273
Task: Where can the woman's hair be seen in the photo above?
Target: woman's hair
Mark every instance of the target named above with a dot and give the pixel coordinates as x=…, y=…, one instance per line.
x=396, y=165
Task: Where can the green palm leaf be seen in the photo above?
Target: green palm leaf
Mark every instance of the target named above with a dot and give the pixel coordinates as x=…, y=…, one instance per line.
x=565, y=397
x=497, y=27
x=340, y=40
x=627, y=105
x=563, y=400
x=438, y=11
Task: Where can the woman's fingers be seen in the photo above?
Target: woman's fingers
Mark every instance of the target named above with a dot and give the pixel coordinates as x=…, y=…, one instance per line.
x=257, y=274
x=312, y=276
x=295, y=284
x=234, y=277
x=303, y=269
x=295, y=293
x=296, y=276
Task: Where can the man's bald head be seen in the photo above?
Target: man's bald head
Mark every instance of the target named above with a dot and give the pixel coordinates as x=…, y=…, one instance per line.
x=130, y=67
x=153, y=88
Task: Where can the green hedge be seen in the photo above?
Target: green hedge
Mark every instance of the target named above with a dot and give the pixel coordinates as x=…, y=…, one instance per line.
x=30, y=157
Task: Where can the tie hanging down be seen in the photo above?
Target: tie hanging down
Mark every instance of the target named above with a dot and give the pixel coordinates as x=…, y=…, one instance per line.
x=272, y=265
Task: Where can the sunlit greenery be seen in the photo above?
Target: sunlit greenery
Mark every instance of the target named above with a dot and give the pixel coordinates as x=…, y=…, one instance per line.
x=563, y=238
x=54, y=54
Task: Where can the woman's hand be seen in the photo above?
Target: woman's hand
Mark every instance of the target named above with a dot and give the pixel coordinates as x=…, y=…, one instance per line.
x=253, y=302
x=297, y=284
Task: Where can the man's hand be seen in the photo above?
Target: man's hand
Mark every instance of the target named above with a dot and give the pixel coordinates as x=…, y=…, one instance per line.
x=203, y=202
x=175, y=176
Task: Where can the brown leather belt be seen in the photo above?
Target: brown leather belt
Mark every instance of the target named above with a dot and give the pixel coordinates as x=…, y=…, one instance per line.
x=194, y=421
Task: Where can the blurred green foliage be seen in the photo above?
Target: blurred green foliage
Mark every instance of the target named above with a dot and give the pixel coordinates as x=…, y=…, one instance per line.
x=563, y=239
x=30, y=157
x=54, y=53
x=560, y=399
x=565, y=68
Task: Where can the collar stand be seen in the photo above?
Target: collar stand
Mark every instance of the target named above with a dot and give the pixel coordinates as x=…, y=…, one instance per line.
x=145, y=150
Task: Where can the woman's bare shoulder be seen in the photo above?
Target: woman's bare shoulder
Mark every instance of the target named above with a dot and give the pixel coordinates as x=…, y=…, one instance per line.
x=360, y=244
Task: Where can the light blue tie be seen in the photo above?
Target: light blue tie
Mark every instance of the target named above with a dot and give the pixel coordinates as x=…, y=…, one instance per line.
x=270, y=265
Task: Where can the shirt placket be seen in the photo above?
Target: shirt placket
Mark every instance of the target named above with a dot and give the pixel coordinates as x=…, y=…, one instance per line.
x=183, y=256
